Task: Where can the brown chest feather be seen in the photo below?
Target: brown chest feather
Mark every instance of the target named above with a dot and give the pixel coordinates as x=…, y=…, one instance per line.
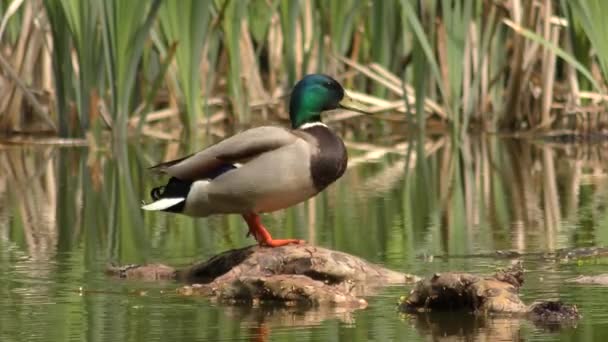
x=329, y=162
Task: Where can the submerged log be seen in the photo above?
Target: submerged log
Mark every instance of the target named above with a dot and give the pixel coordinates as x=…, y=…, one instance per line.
x=289, y=274
x=600, y=279
x=481, y=295
x=563, y=255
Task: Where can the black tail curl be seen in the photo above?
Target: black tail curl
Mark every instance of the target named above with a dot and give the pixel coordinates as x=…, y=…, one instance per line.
x=157, y=192
x=175, y=188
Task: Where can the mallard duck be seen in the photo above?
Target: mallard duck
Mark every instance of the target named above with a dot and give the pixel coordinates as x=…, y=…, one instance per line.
x=263, y=169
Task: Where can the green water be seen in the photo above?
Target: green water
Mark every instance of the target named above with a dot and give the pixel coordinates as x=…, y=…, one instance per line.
x=65, y=213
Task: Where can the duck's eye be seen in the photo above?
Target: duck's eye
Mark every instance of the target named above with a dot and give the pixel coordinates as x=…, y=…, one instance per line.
x=330, y=85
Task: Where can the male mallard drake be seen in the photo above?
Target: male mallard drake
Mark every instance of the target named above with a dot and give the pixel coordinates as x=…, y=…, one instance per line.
x=262, y=169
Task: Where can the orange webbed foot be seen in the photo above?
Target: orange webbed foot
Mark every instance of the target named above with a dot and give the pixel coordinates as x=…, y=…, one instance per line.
x=280, y=242
x=262, y=236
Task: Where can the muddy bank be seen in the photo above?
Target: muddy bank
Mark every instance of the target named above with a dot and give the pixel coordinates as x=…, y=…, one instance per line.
x=290, y=274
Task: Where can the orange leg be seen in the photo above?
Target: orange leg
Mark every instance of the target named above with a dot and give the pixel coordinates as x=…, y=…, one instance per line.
x=262, y=236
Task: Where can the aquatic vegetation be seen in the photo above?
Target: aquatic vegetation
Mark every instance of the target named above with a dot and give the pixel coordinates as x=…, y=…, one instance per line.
x=74, y=66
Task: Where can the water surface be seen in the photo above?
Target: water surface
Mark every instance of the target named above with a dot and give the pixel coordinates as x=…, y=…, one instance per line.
x=65, y=213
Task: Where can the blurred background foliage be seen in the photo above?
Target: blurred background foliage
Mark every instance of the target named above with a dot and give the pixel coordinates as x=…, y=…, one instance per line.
x=174, y=75
x=165, y=68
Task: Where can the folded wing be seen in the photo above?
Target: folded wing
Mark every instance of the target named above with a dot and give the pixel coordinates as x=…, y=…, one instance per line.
x=239, y=148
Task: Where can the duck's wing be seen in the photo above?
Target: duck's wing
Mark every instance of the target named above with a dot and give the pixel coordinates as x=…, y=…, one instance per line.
x=239, y=148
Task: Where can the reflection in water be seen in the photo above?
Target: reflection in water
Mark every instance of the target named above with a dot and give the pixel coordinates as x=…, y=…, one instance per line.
x=30, y=189
x=455, y=326
x=263, y=319
x=66, y=212
x=290, y=316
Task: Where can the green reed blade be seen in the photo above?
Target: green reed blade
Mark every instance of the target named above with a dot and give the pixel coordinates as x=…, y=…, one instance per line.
x=187, y=23
x=591, y=16
x=62, y=71
x=125, y=27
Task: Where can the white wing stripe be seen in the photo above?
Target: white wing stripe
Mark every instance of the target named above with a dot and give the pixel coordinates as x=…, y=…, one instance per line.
x=163, y=203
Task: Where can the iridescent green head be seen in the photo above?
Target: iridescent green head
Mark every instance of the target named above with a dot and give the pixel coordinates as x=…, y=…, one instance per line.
x=312, y=95
x=315, y=94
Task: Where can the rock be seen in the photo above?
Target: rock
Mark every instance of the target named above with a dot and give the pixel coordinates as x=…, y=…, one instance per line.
x=314, y=262
x=290, y=289
x=452, y=291
x=463, y=291
x=478, y=295
x=289, y=274
x=551, y=312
